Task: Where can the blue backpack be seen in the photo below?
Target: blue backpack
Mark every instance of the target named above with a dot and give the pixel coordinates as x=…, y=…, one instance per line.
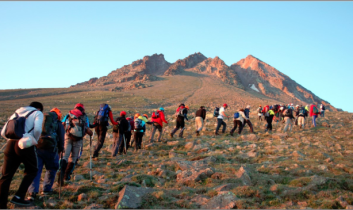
x=102, y=115
x=236, y=115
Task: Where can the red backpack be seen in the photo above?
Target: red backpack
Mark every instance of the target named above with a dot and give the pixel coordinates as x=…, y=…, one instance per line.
x=155, y=115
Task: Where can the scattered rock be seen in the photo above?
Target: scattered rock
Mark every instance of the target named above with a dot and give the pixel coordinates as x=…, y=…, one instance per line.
x=94, y=206
x=200, y=199
x=252, y=154
x=219, y=175
x=131, y=197
x=189, y=145
x=172, y=143
x=349, y=207
x=322, y=167
x=250, y=137
x=223, y=201
x=189, y=177
x=279, y=135
x=243, y=174
x=149, y=146
x=198, y=164
x=226, y=187
x=298, y=154
x=79, y=177
x=342, y=202
x=50, y=203
x=82, y=197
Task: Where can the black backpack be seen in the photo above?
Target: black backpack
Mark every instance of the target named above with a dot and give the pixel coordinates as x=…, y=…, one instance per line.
x=16, y=127
x=216, y=112
x=49, y=137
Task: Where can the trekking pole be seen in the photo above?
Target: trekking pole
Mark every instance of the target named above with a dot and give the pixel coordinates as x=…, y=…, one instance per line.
x=61, y=157
x=125, y=151
x=90, y=156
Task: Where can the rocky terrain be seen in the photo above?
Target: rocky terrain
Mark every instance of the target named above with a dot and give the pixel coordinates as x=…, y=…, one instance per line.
x=249, y=74
x=261, y=77
x=309, y=168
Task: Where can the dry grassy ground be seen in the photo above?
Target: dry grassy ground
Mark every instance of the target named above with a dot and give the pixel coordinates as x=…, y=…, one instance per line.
x=309, y=168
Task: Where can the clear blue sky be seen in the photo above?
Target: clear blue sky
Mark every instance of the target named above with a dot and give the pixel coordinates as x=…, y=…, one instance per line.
x=58, y=44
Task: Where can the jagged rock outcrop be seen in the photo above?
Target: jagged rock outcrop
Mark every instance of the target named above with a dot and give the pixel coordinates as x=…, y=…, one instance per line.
x=186, y=63
x=263, y=78
x=146, y=69
x=217, y=67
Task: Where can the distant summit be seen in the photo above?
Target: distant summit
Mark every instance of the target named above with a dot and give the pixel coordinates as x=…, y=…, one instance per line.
x=249, y=74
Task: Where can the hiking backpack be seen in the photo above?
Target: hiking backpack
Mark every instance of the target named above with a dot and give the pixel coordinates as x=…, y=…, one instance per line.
x=16, y=127
x=260, y=110
x=102, y=114
x=155, y=115
x=49, y=138
x=315, y=111
x=179, y=112
x=287, y=112
x=302, y=112
x=216, y=112
x=76, y=128
x=267, y=114
x=236, y=115
x=323, y=107
x=138, y=124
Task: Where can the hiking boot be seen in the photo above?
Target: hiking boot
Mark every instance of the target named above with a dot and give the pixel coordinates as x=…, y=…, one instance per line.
x=171, y=135
x=232, y=134
x=216, y=134
x=32, y=196
x=21, y=202
x=47, y=192
x=69, y=170
x=197, y=133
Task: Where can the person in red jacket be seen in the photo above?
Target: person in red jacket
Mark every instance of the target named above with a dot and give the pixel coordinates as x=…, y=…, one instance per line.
x=314, y=112
x=100, y=123
x=157, y=119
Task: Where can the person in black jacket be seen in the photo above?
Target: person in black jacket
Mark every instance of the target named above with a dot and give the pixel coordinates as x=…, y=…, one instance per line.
x=182, y=112
x=48, y=157
x=247, y=121
x=119, y=134
x=199, y=119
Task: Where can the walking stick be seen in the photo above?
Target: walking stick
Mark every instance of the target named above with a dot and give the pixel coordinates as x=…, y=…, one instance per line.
x=90, y=156
x=61, y=157
x=125, y=151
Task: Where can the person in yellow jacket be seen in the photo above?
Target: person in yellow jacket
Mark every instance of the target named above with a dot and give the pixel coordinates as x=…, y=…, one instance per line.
x=269, y=119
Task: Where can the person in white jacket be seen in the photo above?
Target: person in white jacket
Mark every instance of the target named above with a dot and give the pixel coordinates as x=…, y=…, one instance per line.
x=239, y=122
x=14, y=155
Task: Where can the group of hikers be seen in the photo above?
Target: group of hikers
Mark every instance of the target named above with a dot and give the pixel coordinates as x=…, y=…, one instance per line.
x=36, y=138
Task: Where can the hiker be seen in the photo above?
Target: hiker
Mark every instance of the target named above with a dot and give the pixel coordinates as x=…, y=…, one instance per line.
x=276, y=117
x=80, y=107
x=200, y=117
x=32, y=119
x=101, y=122
x=269, y=119
x=181, y=114
x=157, y=124
x=140, y=128
x=75, y=129
x=247, y=121
x=314, y=112
x=220, y=120
x=301, y=116
x=288, y=116
x=259, y=111
x=239, y=118
x=296, y=113
x=119, y=134
x=50, y=145
x=128, y=134
x=322, y=110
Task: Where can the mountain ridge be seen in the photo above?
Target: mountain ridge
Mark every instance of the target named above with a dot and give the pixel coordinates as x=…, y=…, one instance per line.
x=249, y=74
